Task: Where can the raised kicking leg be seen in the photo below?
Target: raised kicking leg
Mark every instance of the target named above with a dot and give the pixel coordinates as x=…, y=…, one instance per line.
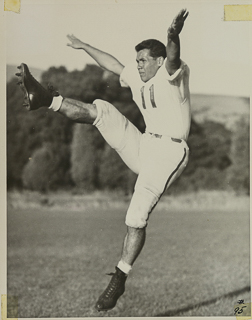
x=78, y=111
x=36, y=96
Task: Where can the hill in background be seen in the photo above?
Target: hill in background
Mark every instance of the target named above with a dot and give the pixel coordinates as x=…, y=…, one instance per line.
x=217, y=108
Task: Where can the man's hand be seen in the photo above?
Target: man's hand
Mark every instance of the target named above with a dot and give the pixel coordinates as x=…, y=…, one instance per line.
x=177, y=23
x=75, y=42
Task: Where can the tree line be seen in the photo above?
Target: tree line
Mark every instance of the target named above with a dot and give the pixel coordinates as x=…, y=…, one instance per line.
x=46, y=151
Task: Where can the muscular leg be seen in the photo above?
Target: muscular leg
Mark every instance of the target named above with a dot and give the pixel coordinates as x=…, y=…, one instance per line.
x=133, y=244
x=78, y=111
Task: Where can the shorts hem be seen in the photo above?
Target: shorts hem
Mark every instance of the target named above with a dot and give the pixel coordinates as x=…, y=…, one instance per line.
x=99, y=112
x=138, y=227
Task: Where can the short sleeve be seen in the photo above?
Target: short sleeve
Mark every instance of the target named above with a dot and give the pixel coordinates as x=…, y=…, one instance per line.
x=176, y=74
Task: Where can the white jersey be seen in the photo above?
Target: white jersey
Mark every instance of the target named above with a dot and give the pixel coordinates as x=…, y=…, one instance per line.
x=164, y=100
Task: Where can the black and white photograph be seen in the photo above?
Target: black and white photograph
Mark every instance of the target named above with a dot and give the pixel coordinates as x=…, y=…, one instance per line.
x=126, y=185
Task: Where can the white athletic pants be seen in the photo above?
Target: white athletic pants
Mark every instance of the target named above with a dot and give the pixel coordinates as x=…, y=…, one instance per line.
x=158, y=160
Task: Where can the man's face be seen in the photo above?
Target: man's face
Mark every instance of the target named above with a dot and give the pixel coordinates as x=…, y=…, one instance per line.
x=147, y=66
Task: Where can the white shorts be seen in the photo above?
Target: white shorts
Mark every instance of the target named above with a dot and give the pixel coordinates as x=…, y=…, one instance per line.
x=158, y=160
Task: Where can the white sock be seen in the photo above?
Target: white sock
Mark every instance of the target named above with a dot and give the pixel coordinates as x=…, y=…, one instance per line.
x=56, y=103
x=124, y=267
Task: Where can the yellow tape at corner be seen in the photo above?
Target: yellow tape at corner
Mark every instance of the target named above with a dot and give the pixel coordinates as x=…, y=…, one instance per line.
x=4, y=307
x=12, y=5
x=240, y=12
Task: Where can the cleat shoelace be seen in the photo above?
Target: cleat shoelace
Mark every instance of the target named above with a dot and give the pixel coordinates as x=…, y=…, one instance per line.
x=112, y=287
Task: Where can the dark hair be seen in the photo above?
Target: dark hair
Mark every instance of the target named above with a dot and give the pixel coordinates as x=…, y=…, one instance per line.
x=157, y=48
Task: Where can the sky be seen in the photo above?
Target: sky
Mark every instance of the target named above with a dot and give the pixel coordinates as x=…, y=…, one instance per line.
x=216, y=51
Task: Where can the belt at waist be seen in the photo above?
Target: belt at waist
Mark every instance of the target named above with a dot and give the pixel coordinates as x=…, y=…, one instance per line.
x=160, y=136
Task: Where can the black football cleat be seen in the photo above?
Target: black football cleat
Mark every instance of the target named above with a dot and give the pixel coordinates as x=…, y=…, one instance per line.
x=35, y=95
x=112, y=293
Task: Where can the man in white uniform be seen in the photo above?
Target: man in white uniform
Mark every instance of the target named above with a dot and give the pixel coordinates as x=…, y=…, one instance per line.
x=159, y=82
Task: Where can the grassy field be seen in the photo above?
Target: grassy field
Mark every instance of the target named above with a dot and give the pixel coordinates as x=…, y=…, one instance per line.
x=195, y=262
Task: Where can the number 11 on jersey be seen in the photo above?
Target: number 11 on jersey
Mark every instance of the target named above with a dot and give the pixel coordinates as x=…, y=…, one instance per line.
x=152, y=99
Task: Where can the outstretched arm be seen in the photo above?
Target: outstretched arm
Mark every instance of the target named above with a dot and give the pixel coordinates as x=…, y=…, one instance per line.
x=104, y=59
x=173, y=43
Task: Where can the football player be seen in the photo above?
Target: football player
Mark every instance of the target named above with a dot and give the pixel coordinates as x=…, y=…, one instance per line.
x=159, y=82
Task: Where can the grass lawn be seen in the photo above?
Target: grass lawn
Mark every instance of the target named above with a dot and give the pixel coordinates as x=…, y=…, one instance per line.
x=194, y=263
